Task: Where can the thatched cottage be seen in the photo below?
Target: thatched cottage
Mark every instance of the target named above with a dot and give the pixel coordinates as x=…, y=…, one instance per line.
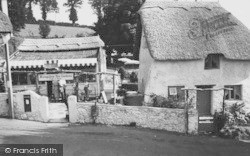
x=43, y=65
x=194, y=45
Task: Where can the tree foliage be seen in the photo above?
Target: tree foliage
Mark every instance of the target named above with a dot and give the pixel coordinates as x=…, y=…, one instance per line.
x=17, y=13
x=29, y=13
x=117, y=24
x=73, y=4
x=47, y=6
x=44, y=29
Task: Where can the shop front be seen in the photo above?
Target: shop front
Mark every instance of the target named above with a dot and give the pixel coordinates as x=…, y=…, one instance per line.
x=58, y=73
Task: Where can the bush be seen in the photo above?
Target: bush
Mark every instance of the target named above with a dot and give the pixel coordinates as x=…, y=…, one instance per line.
x=235, y=132
x=133, y=77
x=160, y=101
x=44, y=29
x=230, y=124
x=220, y=121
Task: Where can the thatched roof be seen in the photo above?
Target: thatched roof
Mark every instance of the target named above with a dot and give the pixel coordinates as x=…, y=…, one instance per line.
x=5, y=24
x=61, y=44
x=170, y=31
x=26, y=56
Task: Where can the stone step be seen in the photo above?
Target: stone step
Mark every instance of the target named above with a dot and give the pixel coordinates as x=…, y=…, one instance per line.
x=62, y=120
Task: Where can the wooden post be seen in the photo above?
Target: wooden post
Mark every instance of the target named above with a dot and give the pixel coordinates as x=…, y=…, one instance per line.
x=223, y=102
x=114, y=88
x=9, y=80
x=37, y=84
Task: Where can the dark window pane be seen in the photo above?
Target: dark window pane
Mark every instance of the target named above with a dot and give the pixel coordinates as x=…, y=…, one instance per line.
x=235, y=93
x=215, y=61
x=23, y=79
x=14, y=78
x=32, y=77
x=207, y=64
x=212, y=61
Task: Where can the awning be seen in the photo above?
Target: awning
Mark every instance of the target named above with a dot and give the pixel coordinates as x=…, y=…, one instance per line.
x=61, y=63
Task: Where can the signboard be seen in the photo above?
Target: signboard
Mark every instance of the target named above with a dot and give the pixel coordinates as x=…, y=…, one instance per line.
x=56, y=77
x=173, y=91
x=211, y=27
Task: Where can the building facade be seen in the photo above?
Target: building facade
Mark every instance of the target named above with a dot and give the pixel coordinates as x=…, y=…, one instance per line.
x=194, y=46
x=48, y=65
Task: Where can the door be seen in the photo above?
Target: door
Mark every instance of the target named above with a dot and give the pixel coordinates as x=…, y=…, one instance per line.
x=49, y=88
x=204, y=98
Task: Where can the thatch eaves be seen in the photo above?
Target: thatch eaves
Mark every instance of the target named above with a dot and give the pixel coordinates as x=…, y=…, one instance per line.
x=170, y=34
x=5, y=24
x=61, y=44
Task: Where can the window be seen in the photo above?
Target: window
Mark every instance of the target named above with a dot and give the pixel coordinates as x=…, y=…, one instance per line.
x=212, y=61
x=175, y=93
x=234, y=94
x=87, y=78
x=23, y=78
x=15, y=78
x=32, y=78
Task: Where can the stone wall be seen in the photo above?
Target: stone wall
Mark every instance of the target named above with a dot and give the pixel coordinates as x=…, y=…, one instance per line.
x=4, y=107
x=147, y=117
x=39, y=107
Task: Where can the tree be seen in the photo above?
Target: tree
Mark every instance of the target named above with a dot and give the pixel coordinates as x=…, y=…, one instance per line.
x=29, y=12
x=17, y=13
x=47, y=6
x=44, y=29
x=73, y=4
x=117, y=24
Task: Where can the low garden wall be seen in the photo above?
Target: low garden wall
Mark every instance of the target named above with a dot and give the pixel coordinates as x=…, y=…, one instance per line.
x=39, y=107
x=4, y=107
x=148, y=117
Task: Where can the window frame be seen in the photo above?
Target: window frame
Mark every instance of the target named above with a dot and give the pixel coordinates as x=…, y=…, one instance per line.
x=234, y=92
x=210, y=58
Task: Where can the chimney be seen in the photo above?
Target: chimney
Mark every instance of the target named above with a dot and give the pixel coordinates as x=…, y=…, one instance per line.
x=5, y=7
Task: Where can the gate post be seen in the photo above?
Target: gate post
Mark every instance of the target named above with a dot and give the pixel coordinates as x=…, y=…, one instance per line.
x=72, y=105
x=192, y=112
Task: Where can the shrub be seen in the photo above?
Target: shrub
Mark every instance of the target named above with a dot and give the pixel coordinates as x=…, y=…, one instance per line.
x=220, y=121
x=230, y=124
x=160, y=101
x=44, y=29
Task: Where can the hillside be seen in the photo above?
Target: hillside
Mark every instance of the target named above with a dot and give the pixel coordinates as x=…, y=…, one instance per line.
x=32, y=31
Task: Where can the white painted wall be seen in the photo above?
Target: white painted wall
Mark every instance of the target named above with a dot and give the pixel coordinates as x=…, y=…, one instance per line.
x=156, y=76
x=5, y=7
x=145, y=62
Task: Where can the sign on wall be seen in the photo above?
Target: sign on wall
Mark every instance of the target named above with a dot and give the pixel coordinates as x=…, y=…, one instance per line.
x=173, y=91
x=55, y=77
x=210, y=27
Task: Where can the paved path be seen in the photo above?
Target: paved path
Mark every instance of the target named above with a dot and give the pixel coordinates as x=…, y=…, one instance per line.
x=58, y=112
x=89, y=140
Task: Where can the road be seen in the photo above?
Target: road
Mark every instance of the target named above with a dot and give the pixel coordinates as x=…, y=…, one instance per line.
x=98, y=140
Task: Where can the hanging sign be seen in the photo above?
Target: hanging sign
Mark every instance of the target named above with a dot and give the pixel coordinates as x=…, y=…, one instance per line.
x=56, y=77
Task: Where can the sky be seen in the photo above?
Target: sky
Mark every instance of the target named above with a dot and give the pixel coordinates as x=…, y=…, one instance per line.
x=86, y=15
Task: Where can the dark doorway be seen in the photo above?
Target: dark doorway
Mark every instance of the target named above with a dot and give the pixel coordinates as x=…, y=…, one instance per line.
x=204, y=98
x=49, y=88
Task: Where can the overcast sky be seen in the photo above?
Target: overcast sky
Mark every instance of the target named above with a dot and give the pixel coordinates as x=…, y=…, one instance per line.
x=86, y=16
